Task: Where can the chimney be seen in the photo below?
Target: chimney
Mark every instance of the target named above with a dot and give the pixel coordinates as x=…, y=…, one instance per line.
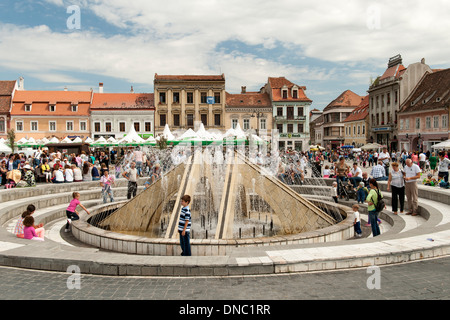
x=21, y=84
x=132, y=90
x=243, y=89
x=65, y=88
x=100, y=87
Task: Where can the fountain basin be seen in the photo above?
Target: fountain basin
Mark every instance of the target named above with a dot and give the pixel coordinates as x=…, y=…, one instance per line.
x=139, y=244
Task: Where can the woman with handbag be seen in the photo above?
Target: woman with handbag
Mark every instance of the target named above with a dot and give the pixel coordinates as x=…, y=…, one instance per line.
x=396, y=183
x=373, y=199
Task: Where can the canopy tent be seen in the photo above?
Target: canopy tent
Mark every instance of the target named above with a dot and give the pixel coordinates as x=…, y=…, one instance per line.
x=88, y=140
x=150, y=141
x=53, y=140
x=112, y=141
x=347, y=147
x=442, y=145
x=5, y=148
x=131, y=139
x=66, y=140
x=371, y=146
x=100, y=142
x=77, y=140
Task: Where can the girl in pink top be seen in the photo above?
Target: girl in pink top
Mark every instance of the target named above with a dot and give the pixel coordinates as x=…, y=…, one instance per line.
x=71, y=211
x=28, y=231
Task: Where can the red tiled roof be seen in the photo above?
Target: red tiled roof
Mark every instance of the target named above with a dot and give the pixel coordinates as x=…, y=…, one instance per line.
x=432, y=92
x=123, y=101
x=249, y=99
x=346, y=99
x=394, y=71
x=190, y=77
x=6, y=89
x=360, y=112
x=40, y=101
x=277, y=83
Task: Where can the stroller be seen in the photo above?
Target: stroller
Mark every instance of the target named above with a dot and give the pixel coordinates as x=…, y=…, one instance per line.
x=346, y=190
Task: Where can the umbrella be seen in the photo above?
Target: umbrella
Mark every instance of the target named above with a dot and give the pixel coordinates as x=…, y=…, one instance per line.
x=442, y=145
x=371, y=146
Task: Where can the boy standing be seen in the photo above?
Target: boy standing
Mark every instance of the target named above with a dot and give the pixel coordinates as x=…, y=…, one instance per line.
x=184, y=226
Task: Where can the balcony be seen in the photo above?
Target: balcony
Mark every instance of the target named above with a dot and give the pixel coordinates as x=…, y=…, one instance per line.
x=289, y=118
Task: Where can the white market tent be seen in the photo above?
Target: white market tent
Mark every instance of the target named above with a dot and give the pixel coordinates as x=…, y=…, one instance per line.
x=5, y=148
x=131, y=138
x=442, y=145
x=88, y=140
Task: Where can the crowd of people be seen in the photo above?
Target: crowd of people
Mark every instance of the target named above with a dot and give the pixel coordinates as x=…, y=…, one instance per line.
x=402, y=171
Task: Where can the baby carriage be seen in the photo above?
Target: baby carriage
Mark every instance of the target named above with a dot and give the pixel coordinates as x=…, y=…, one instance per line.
x=346, y=190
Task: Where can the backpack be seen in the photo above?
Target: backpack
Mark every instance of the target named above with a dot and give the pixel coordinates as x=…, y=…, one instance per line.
x=380, y=203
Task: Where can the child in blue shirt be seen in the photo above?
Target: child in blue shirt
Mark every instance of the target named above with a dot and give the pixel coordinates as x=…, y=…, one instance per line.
x=184, y=226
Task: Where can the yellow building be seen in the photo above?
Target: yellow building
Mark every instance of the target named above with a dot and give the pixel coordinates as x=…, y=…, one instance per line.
x=356, y=125
x=182, y=101
x=251, y=110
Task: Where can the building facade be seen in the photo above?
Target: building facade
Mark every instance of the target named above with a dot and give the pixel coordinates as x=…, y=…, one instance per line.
x=334, y=115
x=290, y=111
x=356, y=124
x=251, y=110
x=181, y=101
x=114, y=114
x=7, y=90
x=59, y=114
x=424, y=116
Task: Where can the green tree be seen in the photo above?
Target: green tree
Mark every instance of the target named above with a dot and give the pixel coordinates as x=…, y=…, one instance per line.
x=11, y=137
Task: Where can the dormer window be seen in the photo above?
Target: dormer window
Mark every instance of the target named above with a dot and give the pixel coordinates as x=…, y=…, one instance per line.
x=74, y=107
x=285, y=93
x=28, y=107
x=294, y=92
x=52, y=108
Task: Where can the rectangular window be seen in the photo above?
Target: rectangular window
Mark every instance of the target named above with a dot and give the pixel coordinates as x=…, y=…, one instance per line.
x=176, y=120
x=246, y=124
x=83, y=126
x=300, y=112
x=290, y=113
x=97, y=127
x=285, y=93
x=436, y=121
x=417, y=123
x=216, y=97
x=295, y=94
x=52, y=126
x=407, y=123
x=162, y=120
x=2, y=125
x=290, y=128
x=234, y=123
x=122, y=127
x=137, y=126
x=428, y=122
x=401, y=124
x=176, y=97
x=74, y=107
x=28, y=107
x=444, y=121
x=148, y=126
x=280, y=128
x=204, y=119
x=108, y=127
x=162, y=97
x=203, y=97
x=262, y=124
x=217, y=119
x=69, y=125
x=300, y=128
x=280, y=111
x=190, y=97
x=190, y=120
x=51, y=108
x=34, y=125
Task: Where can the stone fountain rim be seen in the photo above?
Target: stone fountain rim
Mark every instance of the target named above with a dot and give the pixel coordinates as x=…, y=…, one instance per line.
x=83, y=228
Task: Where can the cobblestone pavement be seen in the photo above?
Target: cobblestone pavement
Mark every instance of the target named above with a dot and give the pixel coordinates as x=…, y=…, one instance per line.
x=424, y=280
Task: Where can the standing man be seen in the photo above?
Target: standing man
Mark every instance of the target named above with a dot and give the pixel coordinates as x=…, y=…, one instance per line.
x=137, y=155
x=131, y=176
x=384, y=158
x=443, y=166
x=412, y=174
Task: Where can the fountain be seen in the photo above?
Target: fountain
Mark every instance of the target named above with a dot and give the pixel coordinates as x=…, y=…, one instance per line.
x=235, y=203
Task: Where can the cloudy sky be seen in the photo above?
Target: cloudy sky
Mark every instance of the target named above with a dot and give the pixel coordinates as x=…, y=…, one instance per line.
x=326, y=45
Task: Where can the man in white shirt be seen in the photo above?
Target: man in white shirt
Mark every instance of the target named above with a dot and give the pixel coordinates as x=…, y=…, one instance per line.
x=356, y=175
x=443, y=166
x=384, y=157
x=412, y=175
x=131, y=176
x=422, y=159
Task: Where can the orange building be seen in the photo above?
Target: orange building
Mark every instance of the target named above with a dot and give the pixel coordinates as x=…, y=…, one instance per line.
x=40, y=114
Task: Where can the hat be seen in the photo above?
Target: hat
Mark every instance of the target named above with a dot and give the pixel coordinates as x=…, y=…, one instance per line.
x=27, y=166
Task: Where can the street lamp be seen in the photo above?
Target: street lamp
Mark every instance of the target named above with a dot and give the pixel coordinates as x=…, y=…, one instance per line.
x=258, y=115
